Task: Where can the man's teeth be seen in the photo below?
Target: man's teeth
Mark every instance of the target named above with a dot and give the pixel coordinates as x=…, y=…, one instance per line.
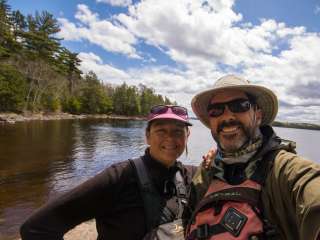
x=230, y=129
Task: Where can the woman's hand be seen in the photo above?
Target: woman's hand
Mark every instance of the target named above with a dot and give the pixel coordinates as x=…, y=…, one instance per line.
x=209, y=157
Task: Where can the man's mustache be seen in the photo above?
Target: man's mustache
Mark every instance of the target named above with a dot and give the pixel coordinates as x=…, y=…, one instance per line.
x=230, y=123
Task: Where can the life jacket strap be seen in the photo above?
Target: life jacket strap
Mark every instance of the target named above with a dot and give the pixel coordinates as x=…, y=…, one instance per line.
x=156, y=210
x=237, y=194
x=205, y=230
x=150, y=196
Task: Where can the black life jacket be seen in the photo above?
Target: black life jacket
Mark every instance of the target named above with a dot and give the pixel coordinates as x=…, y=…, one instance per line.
x=161, y=223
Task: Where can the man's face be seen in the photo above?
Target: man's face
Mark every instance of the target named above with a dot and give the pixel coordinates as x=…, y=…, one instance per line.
x=167, y=140
x=232, y=130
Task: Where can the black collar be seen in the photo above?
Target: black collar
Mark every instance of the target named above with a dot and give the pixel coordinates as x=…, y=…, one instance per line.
x=158, y=172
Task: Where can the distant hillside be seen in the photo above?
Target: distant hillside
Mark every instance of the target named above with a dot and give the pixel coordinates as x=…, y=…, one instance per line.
x=296, y=125
x=311, y=126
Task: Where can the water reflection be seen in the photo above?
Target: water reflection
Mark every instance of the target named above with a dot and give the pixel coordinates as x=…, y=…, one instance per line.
x=40, y=160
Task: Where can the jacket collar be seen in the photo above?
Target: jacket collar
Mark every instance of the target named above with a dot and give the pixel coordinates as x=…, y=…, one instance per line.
x=158, y=172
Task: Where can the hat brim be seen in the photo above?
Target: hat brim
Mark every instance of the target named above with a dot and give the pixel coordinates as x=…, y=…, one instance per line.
x=266, y=100
x=170, y=116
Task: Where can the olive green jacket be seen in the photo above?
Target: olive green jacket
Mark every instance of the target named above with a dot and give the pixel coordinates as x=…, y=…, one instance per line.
x=290, y=196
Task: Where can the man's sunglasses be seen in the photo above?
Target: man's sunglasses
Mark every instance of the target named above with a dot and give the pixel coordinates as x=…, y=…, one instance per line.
x=236, y=106
x=161, y=109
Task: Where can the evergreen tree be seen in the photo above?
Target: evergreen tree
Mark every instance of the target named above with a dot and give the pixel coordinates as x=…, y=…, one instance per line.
x=6, y=37
x=68, y=63
x=12, y=89
x=167, y=101
x=120, y=100
x=39, y=39
x=19, y=24
x=133, y=100
x=93, y=98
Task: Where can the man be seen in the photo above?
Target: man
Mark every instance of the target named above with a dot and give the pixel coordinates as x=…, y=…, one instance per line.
x=257, y=187
x=118, y=197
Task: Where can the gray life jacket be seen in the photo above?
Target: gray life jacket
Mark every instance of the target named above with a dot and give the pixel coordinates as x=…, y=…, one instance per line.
x=162, y=223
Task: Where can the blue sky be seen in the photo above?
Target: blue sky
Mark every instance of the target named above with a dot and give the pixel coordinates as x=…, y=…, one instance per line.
x=181, y=47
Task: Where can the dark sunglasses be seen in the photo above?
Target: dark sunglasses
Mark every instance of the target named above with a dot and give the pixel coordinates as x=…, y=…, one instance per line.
x=236, y=106
x=161, y=109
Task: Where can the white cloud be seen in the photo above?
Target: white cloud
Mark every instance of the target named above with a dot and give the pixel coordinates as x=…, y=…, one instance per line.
x=119, y=3
x=184, y=28
x=105, y=72
x=203, y=33
x=206, y=39
x=85, y=15
x=111, y=37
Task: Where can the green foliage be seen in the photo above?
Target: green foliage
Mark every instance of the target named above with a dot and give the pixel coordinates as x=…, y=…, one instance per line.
x=93, y=99
x=72, y=105
x=52, y=103
x=129, y=100
x=4, y=53
x=38, y=74
x=12, y=89
x=39, y=40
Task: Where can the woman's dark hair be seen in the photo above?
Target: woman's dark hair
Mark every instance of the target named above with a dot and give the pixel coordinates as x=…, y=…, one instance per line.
x=148, y=126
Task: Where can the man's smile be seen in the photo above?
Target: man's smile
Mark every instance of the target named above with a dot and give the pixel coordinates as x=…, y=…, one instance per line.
x=231, y=129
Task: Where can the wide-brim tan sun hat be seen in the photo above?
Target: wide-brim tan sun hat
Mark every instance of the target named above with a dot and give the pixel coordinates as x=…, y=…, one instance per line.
x=265, y=98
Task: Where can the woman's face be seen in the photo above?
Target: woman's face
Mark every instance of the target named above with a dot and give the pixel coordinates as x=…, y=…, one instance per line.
x=167, y=140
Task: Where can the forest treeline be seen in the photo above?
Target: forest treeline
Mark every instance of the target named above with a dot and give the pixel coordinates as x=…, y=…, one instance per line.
x=38, y=74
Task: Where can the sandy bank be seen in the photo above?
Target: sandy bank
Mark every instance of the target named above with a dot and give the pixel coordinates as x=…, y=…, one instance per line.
x=84, y=231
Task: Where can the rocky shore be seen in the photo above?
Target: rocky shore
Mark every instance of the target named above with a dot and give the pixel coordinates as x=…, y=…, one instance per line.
x=11, y=118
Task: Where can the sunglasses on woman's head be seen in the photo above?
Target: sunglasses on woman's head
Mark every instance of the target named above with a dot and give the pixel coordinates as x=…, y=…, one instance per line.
x=161, y=109
x=236, y=106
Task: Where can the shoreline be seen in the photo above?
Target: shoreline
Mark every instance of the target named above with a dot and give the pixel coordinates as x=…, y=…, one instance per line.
x=12, y=118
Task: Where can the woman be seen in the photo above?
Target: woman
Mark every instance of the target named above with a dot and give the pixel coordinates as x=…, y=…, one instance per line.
x=115, y=197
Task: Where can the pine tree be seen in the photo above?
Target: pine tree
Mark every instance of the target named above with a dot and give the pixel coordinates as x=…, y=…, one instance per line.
x=19, y=24
x=39, y=39
x=12, y=89
x=6, y=37
x=67, y=64
x=93, y=97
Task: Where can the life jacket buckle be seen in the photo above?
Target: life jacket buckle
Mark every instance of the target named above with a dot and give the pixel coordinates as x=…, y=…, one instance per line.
x=202, y=231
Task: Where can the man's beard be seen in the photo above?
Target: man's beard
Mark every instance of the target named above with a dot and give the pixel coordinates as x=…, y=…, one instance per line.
x=233, y=143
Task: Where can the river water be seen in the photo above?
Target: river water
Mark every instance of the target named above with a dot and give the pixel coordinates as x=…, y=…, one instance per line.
x=42, y=159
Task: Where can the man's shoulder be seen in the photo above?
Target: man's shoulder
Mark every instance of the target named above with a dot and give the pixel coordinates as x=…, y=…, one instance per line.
x=288, y=167
x=285, y=159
